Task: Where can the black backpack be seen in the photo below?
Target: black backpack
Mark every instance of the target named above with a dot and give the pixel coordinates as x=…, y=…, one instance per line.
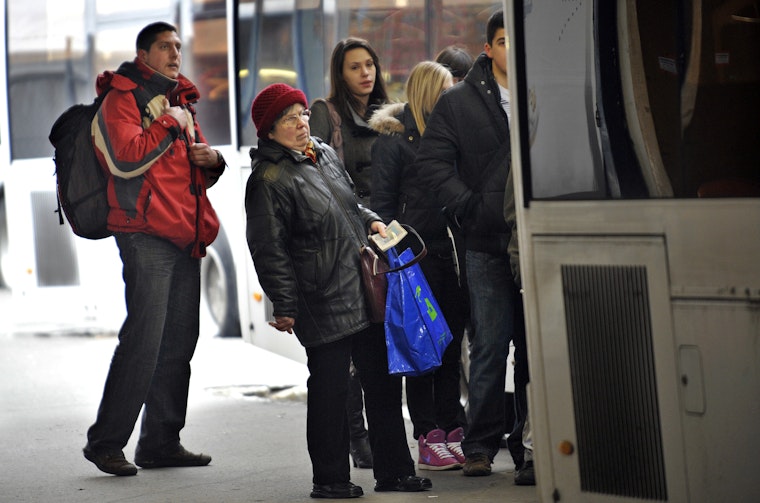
x=82, y=182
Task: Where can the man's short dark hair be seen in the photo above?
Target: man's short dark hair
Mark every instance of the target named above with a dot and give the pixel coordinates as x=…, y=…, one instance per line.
x=495, y=22
x=148, y=35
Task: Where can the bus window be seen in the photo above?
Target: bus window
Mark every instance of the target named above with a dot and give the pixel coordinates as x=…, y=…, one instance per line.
x=122, y=8
x=53, y=62
x=664, y=105
x=205, y=63
x=291, y=42
x=255, y=69
x=47, y=70
x=721, y=128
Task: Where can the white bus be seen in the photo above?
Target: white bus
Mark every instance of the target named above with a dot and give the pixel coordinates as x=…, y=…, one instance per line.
x=232, y=49
x=642, y=289
x=638, y=213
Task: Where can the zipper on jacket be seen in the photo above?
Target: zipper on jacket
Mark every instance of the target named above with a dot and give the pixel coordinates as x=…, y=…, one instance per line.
x=148, y=197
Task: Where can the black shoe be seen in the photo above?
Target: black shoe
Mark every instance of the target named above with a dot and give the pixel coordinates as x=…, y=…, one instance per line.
x=526, y=475
x=406, y=484
x=361, y=454
x=110, y=462
x=178, y=458
x=339, y=490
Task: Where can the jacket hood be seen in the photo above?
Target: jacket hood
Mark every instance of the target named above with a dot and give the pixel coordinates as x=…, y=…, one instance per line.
x=386, y=120
x=133, y=73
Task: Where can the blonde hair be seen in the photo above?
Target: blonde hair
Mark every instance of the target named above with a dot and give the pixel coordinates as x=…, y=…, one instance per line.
x=424, y=86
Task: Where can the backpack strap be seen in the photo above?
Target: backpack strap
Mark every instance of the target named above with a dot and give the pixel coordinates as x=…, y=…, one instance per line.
x=143, y=98
x=336, y=138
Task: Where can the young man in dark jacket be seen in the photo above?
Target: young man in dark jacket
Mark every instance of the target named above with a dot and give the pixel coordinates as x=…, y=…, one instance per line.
x=160, y=167
x=464, y=158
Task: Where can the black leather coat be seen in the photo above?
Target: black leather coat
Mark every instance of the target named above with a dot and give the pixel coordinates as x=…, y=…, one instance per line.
x=304, y=231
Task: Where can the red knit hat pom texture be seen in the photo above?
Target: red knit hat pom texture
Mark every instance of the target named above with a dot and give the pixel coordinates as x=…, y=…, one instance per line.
x=270, y=102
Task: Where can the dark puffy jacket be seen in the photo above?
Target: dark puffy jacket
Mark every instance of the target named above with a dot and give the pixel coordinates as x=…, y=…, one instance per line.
x=304, y=231
x=398, y=193
x=154, y=188
x=464, y=157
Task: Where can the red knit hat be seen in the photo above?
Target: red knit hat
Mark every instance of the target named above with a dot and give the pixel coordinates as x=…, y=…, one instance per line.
x=268, y=104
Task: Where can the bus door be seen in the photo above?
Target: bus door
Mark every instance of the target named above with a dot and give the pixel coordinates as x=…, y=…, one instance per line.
x=636, y=169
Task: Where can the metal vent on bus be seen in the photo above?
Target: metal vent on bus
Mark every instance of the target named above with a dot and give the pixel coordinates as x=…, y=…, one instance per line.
x=56, y=259
x=613, y=381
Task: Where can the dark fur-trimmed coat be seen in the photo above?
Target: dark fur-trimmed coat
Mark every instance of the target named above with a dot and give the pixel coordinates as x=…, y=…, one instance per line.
x=398, y=193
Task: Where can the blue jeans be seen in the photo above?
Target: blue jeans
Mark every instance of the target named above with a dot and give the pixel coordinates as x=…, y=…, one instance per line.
x=151, y=363
x=494, y=305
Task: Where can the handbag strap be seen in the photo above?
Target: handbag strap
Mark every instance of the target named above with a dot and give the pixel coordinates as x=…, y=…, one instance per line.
x=416, y=258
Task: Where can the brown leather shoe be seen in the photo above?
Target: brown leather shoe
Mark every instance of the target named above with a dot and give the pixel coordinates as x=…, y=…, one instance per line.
x=477, y=465
x=180, y=458
x=110, y=462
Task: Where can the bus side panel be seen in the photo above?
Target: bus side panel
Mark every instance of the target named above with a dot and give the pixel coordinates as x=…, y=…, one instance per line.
x=718, y=355
x=607, y=368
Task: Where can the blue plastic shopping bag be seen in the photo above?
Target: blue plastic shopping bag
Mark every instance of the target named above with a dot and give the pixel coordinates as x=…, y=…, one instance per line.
x=416, y=332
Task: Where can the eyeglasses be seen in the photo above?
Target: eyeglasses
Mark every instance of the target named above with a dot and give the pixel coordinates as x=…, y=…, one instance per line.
x=291, y=121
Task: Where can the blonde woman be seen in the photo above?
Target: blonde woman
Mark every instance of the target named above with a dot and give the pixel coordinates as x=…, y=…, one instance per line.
x=433, y=399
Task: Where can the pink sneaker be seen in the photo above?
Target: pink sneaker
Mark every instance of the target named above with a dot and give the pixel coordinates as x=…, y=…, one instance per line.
x=434, y=455
x=454, y=444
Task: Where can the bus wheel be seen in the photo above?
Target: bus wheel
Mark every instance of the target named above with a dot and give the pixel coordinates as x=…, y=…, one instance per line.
x=219, y=288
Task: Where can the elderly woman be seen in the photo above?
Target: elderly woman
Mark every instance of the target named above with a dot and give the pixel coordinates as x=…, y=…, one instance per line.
x=304, y=231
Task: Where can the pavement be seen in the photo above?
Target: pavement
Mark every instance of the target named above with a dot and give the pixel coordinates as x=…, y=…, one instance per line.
x=246, y=409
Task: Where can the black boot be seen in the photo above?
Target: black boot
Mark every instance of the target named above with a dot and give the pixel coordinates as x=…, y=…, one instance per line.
x=360, y=450
x=361, y=454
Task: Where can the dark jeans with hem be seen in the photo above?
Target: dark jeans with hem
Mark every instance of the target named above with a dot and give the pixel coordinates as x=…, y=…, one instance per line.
x=496, y=309
x=151, y=363
x=327, y=433
x=434, y=399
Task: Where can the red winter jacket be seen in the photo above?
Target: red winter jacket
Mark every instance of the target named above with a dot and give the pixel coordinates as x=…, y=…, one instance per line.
x=154, y=188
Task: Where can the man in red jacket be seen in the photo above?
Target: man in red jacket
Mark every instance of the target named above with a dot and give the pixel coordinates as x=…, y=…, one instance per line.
x=160, y=166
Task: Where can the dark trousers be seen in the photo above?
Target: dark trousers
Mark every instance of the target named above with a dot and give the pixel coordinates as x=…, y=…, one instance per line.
x=355, y=410
x=522, y=378
x=497, y=318
x=326, y=426
x=434, y=399
x=151, y=363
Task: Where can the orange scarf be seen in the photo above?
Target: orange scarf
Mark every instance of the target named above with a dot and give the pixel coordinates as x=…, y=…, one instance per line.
x=310, y=152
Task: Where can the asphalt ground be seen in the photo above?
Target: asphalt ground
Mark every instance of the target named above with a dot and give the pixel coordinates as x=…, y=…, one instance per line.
x=247, y=410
